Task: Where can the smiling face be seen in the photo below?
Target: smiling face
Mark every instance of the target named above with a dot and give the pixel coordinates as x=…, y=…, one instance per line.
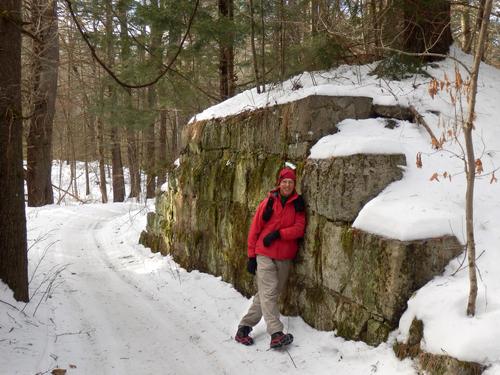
x=286, y=186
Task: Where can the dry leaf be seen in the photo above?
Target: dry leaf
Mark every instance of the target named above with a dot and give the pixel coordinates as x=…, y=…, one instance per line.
x=419, y=160
x=479, y=166
x=434, y=177
x=458, y=79
x=435, y=143
x=453, y=100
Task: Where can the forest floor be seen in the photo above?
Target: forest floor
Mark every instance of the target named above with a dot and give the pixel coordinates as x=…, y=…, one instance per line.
x=102, y=304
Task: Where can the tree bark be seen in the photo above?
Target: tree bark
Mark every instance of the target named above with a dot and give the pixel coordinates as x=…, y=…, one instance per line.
x=226, y=52
x=118, y=181
x=13, y=249
x=314, y=17
x=466, y=29
x=471, y=161
x=150, y=144
x=133, y=164
x=162, y=150
x=156, y=55
x=102, y=166
x=117, y=166
x=252, y=43
x=426, y=27
x=262, y=48
x=44, y=88
x=282, y=39
x=132, y=147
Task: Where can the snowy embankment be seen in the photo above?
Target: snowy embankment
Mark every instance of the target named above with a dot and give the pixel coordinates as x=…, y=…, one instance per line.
x=419, y=207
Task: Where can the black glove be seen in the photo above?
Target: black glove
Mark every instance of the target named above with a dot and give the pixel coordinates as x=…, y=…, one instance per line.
x=268, y=240
x=252, y=265
x=268, y=211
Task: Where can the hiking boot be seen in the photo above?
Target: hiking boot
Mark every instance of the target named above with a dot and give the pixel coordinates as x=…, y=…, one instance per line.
x=279, y=339
x=242, y=335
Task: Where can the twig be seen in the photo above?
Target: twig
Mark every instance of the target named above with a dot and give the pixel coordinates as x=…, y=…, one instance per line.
x=8, y=304
x=92, y=48
x=80, y=332
x=420, y=120
x=287, y=352
x=66, y=192
x=41, y=259
x=462, y=268
x=49, y=287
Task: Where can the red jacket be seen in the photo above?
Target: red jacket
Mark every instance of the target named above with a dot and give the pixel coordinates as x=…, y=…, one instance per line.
x=290, y=223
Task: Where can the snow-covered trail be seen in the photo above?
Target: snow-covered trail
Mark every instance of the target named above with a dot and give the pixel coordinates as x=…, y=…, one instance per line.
x=116, y=308
x=124, y=329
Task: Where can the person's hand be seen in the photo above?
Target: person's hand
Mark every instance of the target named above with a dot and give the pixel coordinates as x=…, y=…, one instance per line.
x=268, y=211
x=268, y=240
x=252, y=265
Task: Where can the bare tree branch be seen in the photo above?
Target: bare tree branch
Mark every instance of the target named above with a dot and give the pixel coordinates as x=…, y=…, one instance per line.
x=85, y=37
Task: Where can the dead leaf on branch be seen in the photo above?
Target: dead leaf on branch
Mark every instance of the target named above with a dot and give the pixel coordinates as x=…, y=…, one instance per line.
x=435, y=177
x=419, y=160
x=479, y=166
x=433, y=88
x=458, y=79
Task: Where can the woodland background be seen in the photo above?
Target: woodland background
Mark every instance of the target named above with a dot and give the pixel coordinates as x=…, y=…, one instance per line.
x=116, y=81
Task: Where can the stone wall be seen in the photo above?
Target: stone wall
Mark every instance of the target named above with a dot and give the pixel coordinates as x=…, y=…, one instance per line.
x=343, y=279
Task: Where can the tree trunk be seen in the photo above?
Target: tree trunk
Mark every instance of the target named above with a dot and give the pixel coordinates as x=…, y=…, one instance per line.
x=102, y=166
x=156, y=59
x=477, y=24
x=150, y=162
x=466, y=29
x=44, y=87
x=262, y=48
x=314, y=17
x=427, y=27
x=117, y=176
x=282, y=41
x=226, y=52
x=252, y=43
x=376, y=27
x=471, y=161
x=132, y=148
x=162, y=150
x=133, y=164
x=13, y=249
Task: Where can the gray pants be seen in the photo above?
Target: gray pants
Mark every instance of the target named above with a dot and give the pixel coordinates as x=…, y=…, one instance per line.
x=272, y=276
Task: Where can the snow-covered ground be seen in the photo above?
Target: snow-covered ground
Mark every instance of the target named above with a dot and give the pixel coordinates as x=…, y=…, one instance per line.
x=102, y=304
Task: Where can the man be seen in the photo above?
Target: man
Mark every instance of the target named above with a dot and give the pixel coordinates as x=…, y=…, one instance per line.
x=272, y=244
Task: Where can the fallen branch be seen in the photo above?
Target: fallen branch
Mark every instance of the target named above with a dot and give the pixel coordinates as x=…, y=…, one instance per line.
x=418, y=118
x=66, y=192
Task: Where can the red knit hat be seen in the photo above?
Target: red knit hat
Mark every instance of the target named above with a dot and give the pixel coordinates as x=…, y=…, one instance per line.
x=286, y=173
